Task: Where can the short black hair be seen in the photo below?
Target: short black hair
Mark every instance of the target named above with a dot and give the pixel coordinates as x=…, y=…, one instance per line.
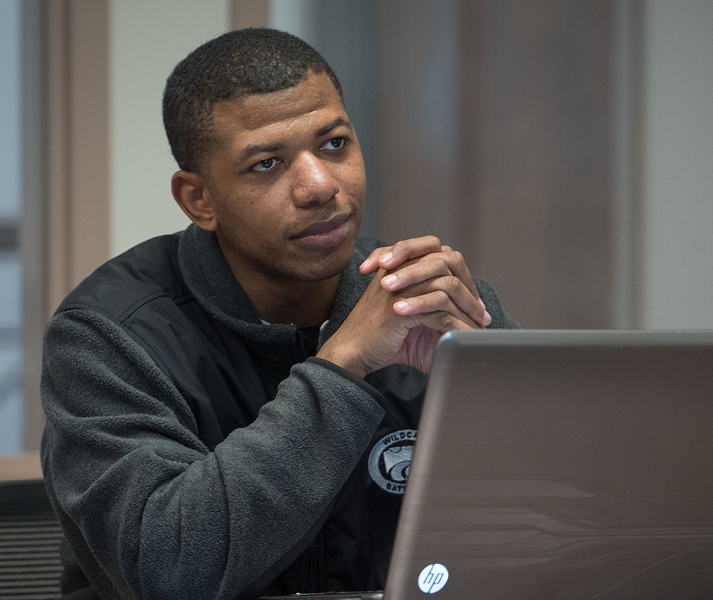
x=238, y=63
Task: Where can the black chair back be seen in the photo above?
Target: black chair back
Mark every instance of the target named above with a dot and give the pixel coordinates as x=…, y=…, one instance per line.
x=30, y=534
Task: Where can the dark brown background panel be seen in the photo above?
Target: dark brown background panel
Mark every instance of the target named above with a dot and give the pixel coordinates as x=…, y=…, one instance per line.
x=517, y=175
x=420, y=155
x=544, y=192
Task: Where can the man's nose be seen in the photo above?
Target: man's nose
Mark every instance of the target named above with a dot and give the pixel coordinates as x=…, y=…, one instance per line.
x=313, y=183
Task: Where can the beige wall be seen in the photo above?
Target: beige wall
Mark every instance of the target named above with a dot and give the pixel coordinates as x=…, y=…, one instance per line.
x=677, y=154
x=147, y=39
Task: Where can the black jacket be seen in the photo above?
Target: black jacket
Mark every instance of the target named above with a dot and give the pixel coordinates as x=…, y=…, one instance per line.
x=192, y=451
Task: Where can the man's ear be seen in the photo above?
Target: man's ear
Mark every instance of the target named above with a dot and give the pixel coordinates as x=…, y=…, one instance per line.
x=192, y=195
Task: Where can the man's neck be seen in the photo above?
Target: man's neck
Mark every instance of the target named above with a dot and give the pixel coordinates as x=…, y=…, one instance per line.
x=282, y=299
x=301, y=303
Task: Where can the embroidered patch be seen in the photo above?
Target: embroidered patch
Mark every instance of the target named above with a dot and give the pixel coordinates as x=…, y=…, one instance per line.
x=390, y=460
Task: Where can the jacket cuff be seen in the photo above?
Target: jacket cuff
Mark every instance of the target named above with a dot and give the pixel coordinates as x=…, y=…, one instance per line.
x=369, y=389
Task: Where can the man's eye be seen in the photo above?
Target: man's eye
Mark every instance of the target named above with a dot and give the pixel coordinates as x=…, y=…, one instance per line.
x=265, y=165
x=335, y=143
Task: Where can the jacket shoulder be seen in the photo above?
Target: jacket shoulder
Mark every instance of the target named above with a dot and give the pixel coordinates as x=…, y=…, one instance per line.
x=501, y=319
x=123, y=284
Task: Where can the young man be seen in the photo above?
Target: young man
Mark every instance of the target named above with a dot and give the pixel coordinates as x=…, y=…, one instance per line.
x=216, y=399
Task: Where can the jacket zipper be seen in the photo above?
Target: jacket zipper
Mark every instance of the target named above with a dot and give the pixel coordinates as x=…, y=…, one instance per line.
x=315, y=564
x=301, y=345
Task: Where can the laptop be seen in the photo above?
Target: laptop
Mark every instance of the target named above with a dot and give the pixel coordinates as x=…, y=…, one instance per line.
x=560, y=464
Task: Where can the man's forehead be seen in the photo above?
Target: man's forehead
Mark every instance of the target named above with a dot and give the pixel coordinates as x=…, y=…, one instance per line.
x=258, y=111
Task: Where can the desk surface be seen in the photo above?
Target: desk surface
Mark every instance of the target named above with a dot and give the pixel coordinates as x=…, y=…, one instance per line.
x=22, y=466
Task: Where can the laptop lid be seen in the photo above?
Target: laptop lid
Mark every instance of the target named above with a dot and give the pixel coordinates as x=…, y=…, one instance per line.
x=561, y=464
x=328, y=596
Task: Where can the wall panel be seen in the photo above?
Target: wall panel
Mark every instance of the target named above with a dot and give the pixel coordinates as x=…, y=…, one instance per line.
x=497, y=137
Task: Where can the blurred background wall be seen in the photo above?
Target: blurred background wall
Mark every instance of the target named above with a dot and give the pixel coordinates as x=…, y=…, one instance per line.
x=564, y=146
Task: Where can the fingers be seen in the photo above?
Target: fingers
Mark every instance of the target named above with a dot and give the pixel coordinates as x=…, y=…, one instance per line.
x=372, y=261
x=451, y=288
x=436, y=301
x=427, y=267
x=417, y=260
x=391, y=257
x=443, y=322
x=448, y=269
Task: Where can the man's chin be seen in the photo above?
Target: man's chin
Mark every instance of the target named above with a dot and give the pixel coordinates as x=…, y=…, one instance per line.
x=327, y=268
x=320, y=266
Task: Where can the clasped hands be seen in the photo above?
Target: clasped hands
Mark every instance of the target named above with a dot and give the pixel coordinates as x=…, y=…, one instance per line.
x=420, y=291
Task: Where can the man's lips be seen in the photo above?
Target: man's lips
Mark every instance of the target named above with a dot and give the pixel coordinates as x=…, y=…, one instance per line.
x=325, y=235
x=322, y=226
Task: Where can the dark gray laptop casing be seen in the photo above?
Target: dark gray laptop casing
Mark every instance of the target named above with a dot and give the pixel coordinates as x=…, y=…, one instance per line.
x=562, y=464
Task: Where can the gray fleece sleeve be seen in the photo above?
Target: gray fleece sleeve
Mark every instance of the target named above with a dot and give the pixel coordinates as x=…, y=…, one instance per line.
x=150, y=512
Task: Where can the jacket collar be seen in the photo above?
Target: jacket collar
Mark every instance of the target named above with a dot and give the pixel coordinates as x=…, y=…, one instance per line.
x=214, y=286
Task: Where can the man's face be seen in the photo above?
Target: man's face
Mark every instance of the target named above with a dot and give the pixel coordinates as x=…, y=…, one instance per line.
x=286, y=183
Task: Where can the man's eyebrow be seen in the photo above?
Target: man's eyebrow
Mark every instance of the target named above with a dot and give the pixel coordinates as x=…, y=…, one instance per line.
x=339, y=121
x=254, y=149
x=270, y=148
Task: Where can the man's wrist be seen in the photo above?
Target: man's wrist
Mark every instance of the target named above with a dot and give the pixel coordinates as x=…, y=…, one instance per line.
x=337, y=355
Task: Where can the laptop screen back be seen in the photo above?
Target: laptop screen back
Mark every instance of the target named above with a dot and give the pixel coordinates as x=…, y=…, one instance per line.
x=562, y=465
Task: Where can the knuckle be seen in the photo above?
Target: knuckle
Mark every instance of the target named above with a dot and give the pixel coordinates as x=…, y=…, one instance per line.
x=442, y=297
x=451, y=283
x=399, y=247
x=445, y=320
x=442, y=264
x=458, y=256
x=433, y=240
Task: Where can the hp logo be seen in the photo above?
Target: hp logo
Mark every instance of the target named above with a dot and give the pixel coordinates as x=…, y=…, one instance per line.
x=433, y=578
